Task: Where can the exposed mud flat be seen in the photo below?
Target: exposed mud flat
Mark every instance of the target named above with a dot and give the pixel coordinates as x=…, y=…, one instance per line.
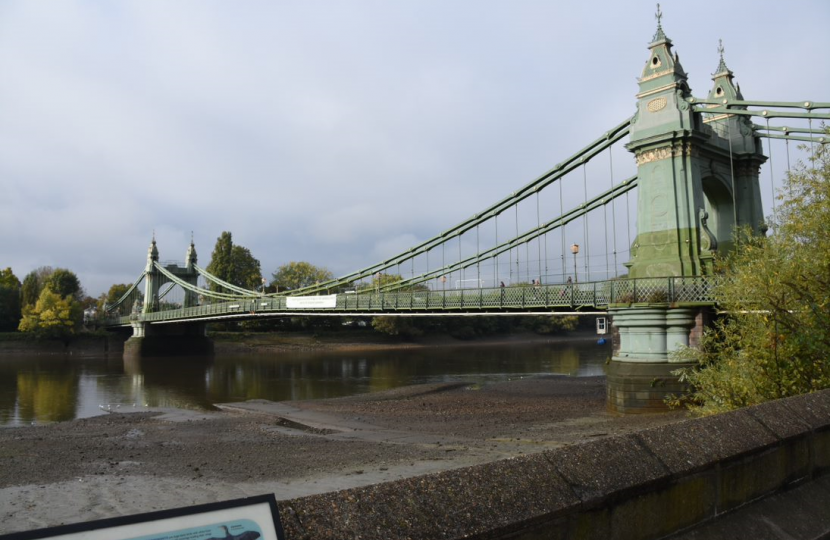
x=136, y=462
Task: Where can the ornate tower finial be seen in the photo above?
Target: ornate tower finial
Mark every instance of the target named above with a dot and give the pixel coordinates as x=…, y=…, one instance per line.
x=191, y=238
x=659, y=35
x=722, y=65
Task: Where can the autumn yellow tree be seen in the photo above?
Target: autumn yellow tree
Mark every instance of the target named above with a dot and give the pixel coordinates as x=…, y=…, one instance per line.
x=774, y=341
x=52, y=316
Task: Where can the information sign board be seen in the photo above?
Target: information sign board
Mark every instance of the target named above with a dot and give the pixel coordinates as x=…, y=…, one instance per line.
x=311, y=302
x=251, y=518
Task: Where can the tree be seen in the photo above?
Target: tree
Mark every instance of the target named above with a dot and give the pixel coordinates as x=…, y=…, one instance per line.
x=234, y=264
x=775, y=340
x=33, y=285
x=381, y=280
x=245, y=269
x=10, y=311
x=397, y=326
x=551, y=324
x=220, y=259
x=115, y=292
x=65, y=283
x=52, y=316
x=295, y=275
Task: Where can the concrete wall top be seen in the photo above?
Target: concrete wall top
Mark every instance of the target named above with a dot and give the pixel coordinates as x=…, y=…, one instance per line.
x=515, y=496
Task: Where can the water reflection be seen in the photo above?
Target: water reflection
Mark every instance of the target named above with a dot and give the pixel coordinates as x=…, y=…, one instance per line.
x=46, y=389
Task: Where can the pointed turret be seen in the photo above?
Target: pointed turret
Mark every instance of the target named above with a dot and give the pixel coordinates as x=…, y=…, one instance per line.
x=190, y=257
x=724, y=87
x=662, y=68
x=736, y=137
x=152, y=254
x=151, y=280
x=664, y=89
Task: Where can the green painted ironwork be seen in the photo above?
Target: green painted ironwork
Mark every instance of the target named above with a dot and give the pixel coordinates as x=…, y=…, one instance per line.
x=117, y=304
x=763, y=114
x=597, y=202
x=808, y=105
x=204, y=292
x=210, y=277
x=673, y=291
x=559, y=171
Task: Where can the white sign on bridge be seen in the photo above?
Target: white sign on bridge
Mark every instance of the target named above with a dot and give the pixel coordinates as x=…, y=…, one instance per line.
x=311, y=302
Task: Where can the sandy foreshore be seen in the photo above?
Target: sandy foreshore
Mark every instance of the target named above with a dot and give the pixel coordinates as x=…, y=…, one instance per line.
x=122, y=464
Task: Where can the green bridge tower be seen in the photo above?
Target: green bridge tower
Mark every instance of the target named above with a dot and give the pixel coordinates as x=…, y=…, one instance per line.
x=698, y=179
x=167, y=339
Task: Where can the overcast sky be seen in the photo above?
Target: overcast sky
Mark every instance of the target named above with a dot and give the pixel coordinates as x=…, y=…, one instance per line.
x=337, y=132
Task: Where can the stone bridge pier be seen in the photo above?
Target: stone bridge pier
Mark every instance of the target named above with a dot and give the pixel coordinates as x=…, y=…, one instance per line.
x=641, y=373
x=181, y=339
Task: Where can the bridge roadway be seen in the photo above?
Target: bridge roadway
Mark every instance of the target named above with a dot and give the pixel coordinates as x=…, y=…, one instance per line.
x=530, y=299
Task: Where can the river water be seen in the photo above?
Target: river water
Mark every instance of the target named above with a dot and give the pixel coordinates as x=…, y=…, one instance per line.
x=42, y=389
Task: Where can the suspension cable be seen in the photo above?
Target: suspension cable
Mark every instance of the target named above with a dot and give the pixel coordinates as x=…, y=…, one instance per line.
x=628, y=221
x=444, y=265
x=205, y=292
x=462, y=273
x=605, y=228
x=772, y=180
x=225, y=284
x=732, y=176
x=556, y=174
x=496, y=259
x=518, y=274
x=789, y=171
x=478, y=264
x=561, y=212
x=124, y=296
x=516, y=243
x=812, y=144
x=585, y=220
x=538, y=244
x=613, y=210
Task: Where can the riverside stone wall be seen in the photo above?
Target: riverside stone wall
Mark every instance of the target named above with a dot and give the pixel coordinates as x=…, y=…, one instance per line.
x=645, y=485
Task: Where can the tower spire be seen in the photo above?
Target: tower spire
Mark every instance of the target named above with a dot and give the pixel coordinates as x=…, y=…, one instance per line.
x=724, y=85
x=662, y=71
x=659, y=35
x=722, y=65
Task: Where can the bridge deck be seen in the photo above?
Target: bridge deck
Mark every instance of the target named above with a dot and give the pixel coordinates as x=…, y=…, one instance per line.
x=598, y=295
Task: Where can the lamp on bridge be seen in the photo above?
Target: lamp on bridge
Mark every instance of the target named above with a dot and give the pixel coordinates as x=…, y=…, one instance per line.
x=575, y=250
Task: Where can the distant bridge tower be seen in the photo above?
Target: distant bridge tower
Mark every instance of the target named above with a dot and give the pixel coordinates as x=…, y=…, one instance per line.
x=191, y=276
x=154, y=280
x=698, y=179
x=172, y=339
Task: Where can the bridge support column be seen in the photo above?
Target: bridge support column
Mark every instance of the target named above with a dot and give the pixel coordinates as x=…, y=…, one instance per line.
x=157, y=340
x=640, y=373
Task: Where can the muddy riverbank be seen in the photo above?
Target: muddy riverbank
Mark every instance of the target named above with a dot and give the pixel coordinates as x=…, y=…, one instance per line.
x=128, y=463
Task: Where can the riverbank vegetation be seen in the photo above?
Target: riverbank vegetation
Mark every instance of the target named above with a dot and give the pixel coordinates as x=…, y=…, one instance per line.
x=774, y=338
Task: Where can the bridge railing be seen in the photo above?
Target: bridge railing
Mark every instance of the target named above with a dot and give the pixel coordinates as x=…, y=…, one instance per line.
x=599, y=295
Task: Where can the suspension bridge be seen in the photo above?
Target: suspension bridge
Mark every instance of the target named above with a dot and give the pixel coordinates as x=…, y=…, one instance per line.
x=636, y=240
